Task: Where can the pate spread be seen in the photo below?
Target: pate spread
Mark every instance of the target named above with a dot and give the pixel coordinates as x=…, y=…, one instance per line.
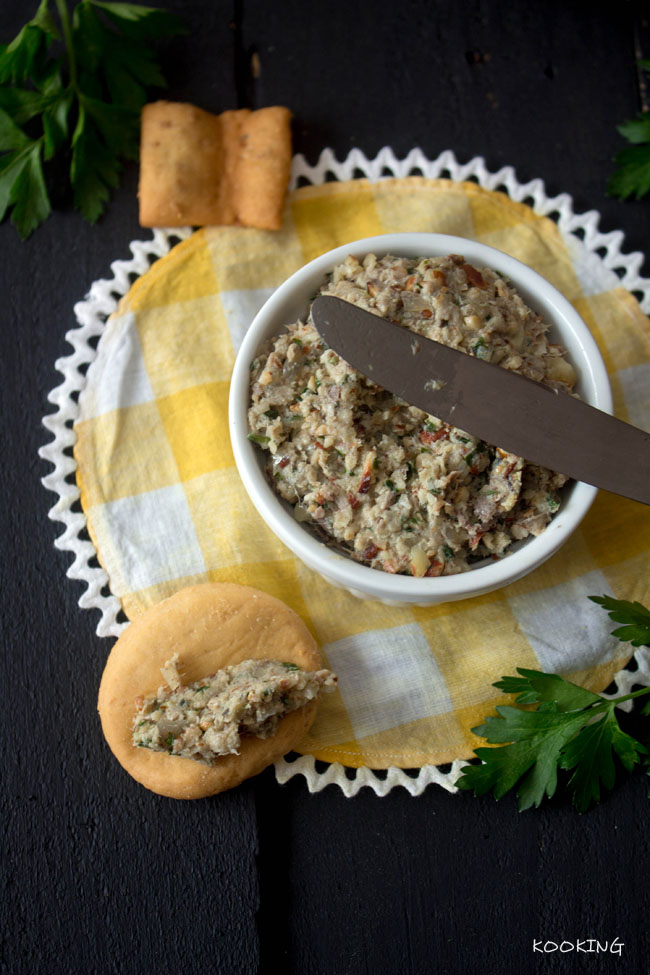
x=394, y=487
x=207, y=718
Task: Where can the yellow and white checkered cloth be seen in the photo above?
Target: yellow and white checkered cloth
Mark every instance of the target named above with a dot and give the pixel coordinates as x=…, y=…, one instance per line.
x=166, y=509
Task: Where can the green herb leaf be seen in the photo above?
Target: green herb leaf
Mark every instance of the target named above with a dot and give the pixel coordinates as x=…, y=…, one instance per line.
x=553, y=503
x=21, y=104
x=632, y=175
x=632, y=178
x=636, y=130
x=93, y=172
x=530, y=760
x=22, y=184
x=635, y=617
x=571, y=729
x=24, y=57
x=534, y=686
x=591, y=755
x=85, y=78
x=109, y=49
x=55, y=118
x=29, y=195
x=11, y=137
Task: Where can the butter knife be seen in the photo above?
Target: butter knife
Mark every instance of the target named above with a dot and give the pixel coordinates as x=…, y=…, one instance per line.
x=552, y=429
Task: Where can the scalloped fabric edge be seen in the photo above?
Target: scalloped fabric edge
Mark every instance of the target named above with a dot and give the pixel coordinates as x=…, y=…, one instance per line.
x=101, y=301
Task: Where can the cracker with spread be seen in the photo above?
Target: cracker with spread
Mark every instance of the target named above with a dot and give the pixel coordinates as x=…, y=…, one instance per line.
x=241, y=677
x=199, y=169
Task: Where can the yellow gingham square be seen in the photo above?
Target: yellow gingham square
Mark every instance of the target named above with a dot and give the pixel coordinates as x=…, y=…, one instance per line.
x=187, y=417
x=220, y=490
x=128, y=451
x=410, y=205
x=185, y=345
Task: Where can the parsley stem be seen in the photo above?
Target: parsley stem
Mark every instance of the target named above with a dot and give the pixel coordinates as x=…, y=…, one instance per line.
x=599, y=706
x=628, y=697
x=62, y=8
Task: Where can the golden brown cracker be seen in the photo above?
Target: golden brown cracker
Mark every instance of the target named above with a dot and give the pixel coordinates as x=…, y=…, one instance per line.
x=210, y=626
x=181, y=160
x=197, y=168
x=263, y=168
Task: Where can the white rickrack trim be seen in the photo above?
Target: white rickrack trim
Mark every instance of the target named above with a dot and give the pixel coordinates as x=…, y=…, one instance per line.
x=350, y=781
x=102, y=300
x=91, y=313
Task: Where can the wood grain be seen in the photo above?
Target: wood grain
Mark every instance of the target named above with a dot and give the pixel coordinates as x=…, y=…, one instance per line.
x=100, y=877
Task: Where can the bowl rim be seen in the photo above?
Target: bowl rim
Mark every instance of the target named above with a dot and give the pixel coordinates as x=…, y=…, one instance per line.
x=343, y=570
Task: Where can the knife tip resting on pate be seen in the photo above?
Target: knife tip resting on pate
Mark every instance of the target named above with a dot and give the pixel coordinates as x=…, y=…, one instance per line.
x=251, y=678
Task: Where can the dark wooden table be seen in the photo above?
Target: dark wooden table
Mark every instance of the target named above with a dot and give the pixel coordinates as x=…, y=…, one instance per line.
x=101, y=876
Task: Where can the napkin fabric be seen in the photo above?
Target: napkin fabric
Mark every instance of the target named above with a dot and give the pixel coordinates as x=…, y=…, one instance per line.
x=165, y=507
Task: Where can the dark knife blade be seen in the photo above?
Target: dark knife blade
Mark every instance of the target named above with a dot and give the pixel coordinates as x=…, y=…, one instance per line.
x=524, y=417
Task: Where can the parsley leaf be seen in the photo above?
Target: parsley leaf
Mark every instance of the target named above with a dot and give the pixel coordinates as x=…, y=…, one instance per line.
x=21, y=177
x=572, y=729
x=26, y=56
x=534, y=687
x=636, y=130
x=537, y=739
x=93, y=173
x=591, y=755
x=78, y=82
x=632, y=176
x=635, y=617
x=31, y=205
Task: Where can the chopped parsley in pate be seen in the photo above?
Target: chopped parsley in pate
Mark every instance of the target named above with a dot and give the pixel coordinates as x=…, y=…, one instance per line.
x=206, y=719
x=395, y=488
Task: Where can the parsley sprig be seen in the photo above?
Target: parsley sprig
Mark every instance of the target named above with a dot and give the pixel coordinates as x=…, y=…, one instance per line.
x=74, y=84
x=635, y=617
x=571, y=730
x=632, y=176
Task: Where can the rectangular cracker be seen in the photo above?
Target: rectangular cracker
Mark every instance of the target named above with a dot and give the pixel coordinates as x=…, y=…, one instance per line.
x=181, y=160
x=263, y=167
x=197, y=168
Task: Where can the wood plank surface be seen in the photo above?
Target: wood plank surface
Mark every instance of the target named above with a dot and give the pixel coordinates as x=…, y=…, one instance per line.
x=101, y=876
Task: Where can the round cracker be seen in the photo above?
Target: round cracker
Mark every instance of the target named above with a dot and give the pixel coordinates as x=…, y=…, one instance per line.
x=210, y=626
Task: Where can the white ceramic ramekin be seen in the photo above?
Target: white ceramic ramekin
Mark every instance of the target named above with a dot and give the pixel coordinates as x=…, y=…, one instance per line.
x=291, y=301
